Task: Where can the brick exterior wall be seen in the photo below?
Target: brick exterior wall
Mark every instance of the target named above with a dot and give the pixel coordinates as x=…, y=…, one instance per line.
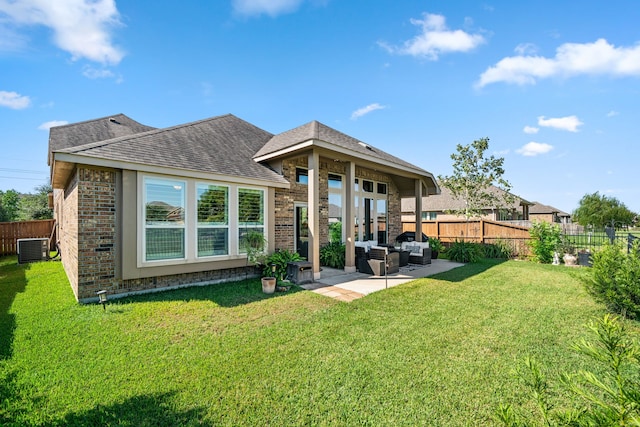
x=285, y=199
x=86, y=212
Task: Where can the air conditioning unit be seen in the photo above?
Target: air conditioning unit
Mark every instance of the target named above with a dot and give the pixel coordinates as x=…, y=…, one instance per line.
x=30, y=250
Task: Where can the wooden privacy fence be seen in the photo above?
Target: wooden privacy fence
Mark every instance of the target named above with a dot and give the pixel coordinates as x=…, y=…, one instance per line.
x=10, y=232
x=480, y=231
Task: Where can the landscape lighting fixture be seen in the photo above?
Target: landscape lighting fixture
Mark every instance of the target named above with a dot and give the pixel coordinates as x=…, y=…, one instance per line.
x=102, y=298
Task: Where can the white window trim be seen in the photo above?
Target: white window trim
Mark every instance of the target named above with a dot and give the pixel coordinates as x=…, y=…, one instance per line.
x=191, y=221
x=197, y=226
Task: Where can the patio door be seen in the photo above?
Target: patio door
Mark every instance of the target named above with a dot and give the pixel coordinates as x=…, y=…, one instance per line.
x=301, y=229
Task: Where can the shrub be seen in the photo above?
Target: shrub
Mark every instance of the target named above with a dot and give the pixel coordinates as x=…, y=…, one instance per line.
x=461, y=251
x=279, y=259
x=500, y=249
x=614, y=279
x=333, y=255
x=545, y=239
x=435, y=245
x=609, y=397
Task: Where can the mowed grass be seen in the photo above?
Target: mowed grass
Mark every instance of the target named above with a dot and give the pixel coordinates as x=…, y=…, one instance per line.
x=437, y=351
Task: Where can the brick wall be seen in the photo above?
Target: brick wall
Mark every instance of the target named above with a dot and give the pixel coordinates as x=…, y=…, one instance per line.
x=86, y=212
x=285, y=199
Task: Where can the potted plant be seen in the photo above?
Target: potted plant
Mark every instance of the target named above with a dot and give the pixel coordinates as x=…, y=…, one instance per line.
x=584, y=257
x=436, y=247
x=254, y=244
x=268, y=279
x=276, y=266
x=569, y=252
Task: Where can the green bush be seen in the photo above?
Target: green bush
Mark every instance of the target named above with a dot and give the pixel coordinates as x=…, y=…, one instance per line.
x=435, y=245
x=279, y=259
x=545, y=239
x=461, y=251
x=500, y=249
x=333, y=255
x=607, y=397
x=614, y=279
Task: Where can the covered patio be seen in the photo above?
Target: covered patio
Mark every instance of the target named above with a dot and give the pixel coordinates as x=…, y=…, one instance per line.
x=347, y=287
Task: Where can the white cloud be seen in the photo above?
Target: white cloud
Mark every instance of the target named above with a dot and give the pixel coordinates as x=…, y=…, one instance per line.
x=96, y=73
x=268, y=7
x=530, y=129
x=80, y=27
x=569, y=123
x=612, y=113
x=52, y=123
x=526, y=49
x=435, y=39
x=532, y=149
x=366, y=110
x=14, y=100
x=571, y=59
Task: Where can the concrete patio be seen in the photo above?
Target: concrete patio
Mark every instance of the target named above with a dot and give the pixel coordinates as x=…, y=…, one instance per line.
x=349, y=286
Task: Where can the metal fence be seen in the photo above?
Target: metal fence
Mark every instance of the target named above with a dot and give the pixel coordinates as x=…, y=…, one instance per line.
x=594, y=240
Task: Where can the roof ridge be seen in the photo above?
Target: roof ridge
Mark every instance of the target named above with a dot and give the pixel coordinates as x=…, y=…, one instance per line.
x=153, y=131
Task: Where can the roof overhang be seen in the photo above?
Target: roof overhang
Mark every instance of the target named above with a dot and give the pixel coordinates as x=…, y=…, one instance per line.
x=404, y=176
x=65, y=163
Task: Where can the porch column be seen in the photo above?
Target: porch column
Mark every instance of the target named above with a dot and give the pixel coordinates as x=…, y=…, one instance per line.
x=348, y=222
x=418, y=193
x=313, y=200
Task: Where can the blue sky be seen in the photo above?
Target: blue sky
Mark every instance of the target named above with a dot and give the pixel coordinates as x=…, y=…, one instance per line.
x=554, y=84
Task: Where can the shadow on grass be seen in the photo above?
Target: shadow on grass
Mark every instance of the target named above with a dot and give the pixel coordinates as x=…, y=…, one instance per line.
x=146, y=410
x=12, y=282
x=460, y=274
x=231, y=294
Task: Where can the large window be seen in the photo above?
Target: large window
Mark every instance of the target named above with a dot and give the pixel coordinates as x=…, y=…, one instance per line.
x=184, y=220
x=371, y=211
x=164, y=219
x=213, y=220
x=336, y=208
x=250, y=212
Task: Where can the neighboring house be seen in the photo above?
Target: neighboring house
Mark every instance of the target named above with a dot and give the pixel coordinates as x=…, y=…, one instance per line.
x=142, y=209
x=540, y=212
x=438, y=207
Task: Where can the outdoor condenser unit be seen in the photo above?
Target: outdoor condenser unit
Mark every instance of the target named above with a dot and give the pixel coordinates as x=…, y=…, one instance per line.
x=30, y=250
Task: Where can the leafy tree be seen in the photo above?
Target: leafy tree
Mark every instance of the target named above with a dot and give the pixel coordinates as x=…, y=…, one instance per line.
x=35, y=206
x=10, y=205
x=599, y=210
x=473, y=179
x=545, y=239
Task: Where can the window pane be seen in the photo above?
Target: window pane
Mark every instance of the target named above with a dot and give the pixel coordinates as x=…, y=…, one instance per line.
x=164, y=243
x=213, y=241
x=335, y=181
x=213, y=205
x=250, y=207
x=367, y=186
x=241, y=237
x=302, y=176
x=382, y=188
x=164, y=201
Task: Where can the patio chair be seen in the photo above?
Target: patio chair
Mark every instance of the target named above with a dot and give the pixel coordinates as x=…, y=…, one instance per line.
x=377, y=261
x=420, y=252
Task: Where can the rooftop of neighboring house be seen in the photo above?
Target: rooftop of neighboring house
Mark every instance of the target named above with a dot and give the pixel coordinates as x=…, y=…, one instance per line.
x=445, y=201
x=538, y=208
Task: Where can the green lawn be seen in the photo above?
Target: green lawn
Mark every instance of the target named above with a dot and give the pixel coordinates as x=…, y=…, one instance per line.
x=437, y=351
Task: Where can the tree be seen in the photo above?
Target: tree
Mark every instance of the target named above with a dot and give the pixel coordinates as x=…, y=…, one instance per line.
x=35, y=206
x=599, y=210
x=474, y=176
x=10, y=201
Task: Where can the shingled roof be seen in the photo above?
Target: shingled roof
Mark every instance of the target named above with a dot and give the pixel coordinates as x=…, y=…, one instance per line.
x=445, y=201
x=75, y=134
x=539, y=209
x=316, y=131
x=222, y=145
